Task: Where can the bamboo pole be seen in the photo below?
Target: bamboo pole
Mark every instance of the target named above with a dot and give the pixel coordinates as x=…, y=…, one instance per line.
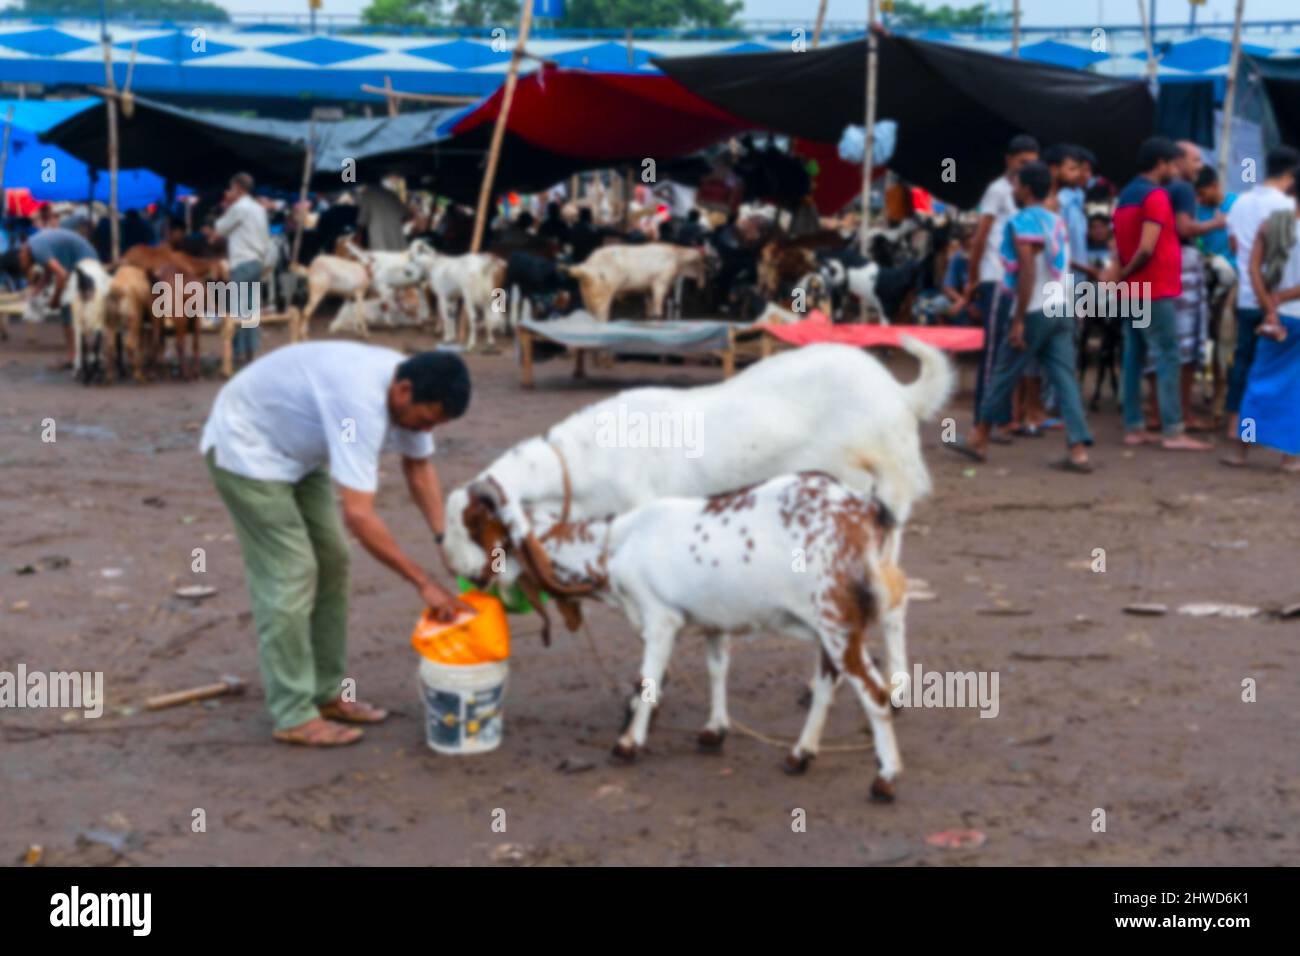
x=499, y=130
x=1015, y=28
x=821, y=21
x=869, y=144
x=388, y=95
x=307, y=161
x=110, y=105
x=397, y=96
x=1151, y=50
x=4, y=159
x=1230, y=93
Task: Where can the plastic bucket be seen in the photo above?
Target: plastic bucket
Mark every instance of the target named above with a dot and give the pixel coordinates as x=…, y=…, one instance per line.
x=463, y=705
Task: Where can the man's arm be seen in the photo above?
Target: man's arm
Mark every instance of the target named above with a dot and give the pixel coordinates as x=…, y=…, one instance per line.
x=60, y=274
x=364, y=523
x=426, y=492
x=981, y=239
x=1145, y=250
x=1262, y=294
x=1190, y=228
x=1026, y=253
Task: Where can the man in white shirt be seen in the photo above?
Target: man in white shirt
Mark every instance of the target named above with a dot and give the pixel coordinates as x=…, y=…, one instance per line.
x=986, y=271
x=1245, y=218
x=248, y=239
x=279, y=432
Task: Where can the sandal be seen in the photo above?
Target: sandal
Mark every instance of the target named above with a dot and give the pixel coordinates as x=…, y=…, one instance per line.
x=318, y=733
x=961, y=448
x=1069, y=464
x=353, y=712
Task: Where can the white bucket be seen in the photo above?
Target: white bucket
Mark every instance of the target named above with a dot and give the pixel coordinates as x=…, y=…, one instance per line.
x=463, y=705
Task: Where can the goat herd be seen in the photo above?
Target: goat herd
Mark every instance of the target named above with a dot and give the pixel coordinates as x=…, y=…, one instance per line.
x=746, y=269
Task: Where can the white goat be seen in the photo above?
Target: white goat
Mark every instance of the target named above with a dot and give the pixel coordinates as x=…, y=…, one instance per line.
x=723, y=565
x=828, y=408
x=474, y=280
x=654, y=268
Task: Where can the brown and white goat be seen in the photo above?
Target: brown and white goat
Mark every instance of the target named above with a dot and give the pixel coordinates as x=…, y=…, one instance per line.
x=801, y=555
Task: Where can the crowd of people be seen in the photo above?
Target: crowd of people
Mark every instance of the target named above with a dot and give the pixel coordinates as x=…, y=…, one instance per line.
x=1175, y=264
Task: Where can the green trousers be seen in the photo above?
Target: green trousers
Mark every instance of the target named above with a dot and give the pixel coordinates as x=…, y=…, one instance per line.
x=296, y=561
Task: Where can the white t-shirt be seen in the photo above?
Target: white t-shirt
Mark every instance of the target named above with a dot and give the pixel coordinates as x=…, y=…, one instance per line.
x=999, y=202
x=1244, y=219
x=244, y=226
x=309, y=406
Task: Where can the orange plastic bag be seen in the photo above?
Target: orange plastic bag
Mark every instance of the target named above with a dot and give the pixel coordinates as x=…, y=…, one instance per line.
x=477, y=638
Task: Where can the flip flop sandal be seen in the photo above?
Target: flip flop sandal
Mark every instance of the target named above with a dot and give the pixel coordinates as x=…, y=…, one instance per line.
x=966, y=451
x=358, y=713
x=996, y=439
x=317, y=738
x=1067, y=464
x=1028, y=431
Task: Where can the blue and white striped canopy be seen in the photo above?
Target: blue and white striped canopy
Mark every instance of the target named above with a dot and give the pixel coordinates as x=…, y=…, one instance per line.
x=279, y=62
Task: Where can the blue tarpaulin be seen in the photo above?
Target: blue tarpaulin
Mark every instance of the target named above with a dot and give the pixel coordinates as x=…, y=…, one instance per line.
x=54, y=175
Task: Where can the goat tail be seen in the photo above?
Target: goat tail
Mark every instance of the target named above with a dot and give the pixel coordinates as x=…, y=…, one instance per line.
x=934, y=386
x=298, y=269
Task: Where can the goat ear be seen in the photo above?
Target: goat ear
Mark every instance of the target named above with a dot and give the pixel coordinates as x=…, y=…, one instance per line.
x=539, y=563
x=528, y=584
x=572, y=612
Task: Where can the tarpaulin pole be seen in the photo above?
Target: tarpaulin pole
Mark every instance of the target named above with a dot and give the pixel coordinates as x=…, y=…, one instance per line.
x=821, y=20
x=1015, y=28
x=1230, y=93
x=110, y=104
x=1147, y=27
x=870, y=144
x=4, y=156
x=499, y=131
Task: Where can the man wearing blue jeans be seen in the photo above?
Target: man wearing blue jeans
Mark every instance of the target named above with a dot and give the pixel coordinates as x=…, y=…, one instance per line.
x=986, y=270
x=1151, y=265
x=1034, y=254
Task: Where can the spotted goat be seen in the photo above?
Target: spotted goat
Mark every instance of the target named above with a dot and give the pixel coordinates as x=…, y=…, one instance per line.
x=801, y=555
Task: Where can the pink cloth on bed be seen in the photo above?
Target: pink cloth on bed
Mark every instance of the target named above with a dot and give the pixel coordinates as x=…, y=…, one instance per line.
x=950, y=338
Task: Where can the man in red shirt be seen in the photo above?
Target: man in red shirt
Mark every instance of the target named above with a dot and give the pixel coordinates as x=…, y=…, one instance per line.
x=1150, y=266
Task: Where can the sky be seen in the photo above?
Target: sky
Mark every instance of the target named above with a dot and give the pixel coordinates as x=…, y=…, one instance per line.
x=1036, y=12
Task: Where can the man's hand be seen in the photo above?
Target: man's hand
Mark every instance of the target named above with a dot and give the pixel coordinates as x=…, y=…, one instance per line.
x=1016, y=337
x=444, y=605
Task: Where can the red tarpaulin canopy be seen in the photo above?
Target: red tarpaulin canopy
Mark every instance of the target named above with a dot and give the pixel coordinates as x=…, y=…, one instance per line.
x=606, y=117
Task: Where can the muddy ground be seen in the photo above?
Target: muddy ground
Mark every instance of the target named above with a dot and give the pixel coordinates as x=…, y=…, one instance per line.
x=1140, y=716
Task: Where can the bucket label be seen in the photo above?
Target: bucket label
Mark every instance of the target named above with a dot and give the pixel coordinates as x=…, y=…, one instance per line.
x=442, y=712
x=471, y=720
x=483, y=716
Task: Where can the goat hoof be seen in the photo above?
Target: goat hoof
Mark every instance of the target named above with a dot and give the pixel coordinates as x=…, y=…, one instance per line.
x=805, y=699
x=882, y=791
x=710, y=741
x=797, y=764
x=624, y=753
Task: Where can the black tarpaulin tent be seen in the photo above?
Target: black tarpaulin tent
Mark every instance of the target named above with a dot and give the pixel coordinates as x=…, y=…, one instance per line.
x=949, y=103
x=205, y=149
